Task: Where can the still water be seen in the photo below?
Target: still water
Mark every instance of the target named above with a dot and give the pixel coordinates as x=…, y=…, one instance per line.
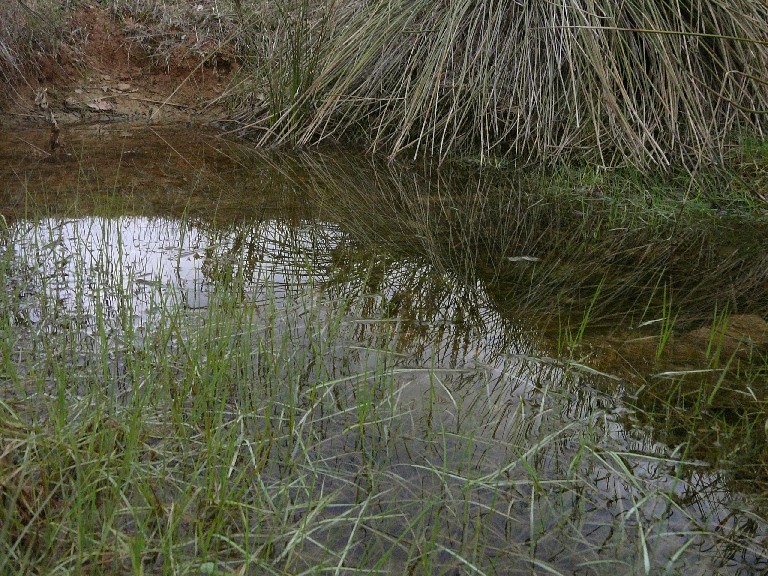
x=519, y=340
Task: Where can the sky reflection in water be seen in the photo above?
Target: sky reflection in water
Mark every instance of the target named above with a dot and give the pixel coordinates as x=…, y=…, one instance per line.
x=499, y=380
x=495, y=433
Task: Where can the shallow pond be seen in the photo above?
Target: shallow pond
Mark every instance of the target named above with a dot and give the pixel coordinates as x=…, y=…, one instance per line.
x=346, y=365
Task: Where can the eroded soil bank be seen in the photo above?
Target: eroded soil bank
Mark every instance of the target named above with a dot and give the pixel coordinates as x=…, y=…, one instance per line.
x=102, y=73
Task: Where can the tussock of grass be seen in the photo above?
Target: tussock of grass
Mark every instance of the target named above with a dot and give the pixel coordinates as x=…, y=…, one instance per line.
x=644, y=83
x=641, y=82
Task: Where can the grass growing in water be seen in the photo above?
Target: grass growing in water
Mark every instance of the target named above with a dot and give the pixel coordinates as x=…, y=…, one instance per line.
x=277, y=426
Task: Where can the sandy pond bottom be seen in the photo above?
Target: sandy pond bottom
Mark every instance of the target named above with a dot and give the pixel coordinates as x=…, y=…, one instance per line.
x=287, y=364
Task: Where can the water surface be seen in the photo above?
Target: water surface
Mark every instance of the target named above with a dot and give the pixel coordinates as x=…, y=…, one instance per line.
x=510, y=339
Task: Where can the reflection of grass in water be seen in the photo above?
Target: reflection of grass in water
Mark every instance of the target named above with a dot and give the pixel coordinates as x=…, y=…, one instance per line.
x=541, y=243
x=294, y=436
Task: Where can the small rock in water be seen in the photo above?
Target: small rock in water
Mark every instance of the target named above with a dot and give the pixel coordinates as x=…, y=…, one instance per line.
x=100, y=106
x=741, y=333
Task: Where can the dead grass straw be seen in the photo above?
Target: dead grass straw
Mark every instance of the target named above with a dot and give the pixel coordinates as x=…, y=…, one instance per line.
x=641, y=82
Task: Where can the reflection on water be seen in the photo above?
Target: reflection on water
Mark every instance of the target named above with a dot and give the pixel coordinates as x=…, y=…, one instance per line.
x=98, y=259
x=490, y=377
x=485, y=427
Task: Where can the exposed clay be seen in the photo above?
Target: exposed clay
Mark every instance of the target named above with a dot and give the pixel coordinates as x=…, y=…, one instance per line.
x=107, y=78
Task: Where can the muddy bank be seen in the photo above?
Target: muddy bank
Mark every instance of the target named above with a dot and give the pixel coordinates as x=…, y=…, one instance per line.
x=103, y=74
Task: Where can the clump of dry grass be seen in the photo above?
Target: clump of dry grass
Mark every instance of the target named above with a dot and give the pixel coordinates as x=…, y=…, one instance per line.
x=30, y=31
x=641, y=82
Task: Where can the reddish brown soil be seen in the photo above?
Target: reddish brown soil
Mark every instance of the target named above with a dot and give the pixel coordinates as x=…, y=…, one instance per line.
x=100, y=75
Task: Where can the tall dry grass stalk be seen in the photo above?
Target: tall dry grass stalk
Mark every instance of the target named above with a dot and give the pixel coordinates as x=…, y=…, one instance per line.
x=646, y=82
